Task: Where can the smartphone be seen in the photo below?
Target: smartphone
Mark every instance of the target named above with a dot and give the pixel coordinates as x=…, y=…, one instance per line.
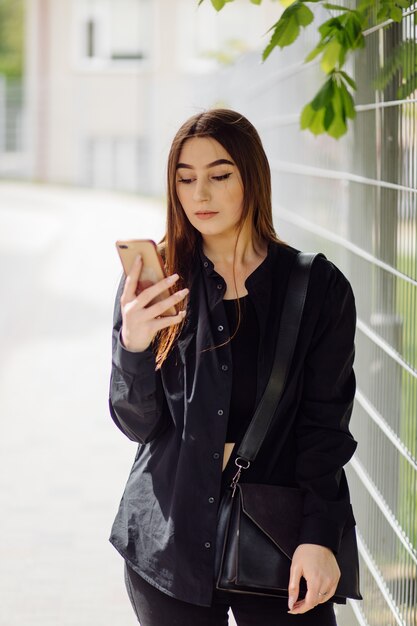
x=152, y=266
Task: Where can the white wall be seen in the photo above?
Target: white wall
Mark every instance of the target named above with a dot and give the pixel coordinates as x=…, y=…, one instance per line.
x=98, y=122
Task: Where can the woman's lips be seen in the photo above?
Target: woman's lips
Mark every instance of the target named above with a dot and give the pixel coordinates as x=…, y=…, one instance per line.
x=205, y=215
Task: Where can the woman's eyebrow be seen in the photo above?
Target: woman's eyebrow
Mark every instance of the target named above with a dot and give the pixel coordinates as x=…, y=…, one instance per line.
x=213, y=164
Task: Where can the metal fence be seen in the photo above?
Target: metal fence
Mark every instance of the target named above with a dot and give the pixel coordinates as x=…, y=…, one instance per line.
x=355, y=200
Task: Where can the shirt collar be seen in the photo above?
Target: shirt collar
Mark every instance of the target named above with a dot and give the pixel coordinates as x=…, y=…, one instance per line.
x=258, y=283
x=257, y=278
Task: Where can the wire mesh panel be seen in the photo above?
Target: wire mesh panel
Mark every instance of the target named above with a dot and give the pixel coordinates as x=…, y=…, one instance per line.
x=356, y=200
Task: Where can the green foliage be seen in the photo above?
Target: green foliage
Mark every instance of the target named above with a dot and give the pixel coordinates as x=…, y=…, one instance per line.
x=330, y=109
x=218, y=4
x=11, y=38
x=401, y=68
x=340, y=36
x=389, y=10
x=287, y=29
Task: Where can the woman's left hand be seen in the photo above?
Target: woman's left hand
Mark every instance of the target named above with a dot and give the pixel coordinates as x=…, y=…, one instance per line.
x=319, y=567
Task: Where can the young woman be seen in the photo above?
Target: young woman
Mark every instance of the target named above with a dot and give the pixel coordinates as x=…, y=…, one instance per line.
x=185, y=388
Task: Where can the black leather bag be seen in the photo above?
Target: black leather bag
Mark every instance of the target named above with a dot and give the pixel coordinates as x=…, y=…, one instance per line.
x=258, y=525
x=257, y=535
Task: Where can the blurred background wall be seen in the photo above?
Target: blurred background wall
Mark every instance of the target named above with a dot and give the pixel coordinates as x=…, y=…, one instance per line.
x=105, y=86
x=106, y=83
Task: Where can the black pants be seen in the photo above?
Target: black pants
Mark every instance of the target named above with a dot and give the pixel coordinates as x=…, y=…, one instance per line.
x=155, y=608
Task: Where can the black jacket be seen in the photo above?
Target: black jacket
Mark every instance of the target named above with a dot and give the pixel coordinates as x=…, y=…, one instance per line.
x=166, y=524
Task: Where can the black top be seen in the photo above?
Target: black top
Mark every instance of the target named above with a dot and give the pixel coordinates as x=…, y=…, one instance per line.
x=166, y=524
x=244, y=345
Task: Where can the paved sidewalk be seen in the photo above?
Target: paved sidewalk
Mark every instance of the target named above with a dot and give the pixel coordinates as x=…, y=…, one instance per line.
x=63, y=462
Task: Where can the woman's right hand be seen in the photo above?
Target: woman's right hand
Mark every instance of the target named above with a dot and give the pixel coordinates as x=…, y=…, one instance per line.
x=140, y=322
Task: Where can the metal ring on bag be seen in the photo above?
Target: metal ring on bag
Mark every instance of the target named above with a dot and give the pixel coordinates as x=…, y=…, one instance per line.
x=236, y=477
x=240, y=465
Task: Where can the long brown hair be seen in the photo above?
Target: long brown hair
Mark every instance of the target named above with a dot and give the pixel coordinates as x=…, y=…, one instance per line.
x=241, y=140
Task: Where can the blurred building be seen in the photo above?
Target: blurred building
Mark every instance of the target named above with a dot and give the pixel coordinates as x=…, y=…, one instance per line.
x=108, y=82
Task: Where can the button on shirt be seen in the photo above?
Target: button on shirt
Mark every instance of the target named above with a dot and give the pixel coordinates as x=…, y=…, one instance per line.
x=166, y=524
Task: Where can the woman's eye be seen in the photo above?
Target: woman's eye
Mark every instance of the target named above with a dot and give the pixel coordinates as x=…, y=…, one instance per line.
x=188, y=181
x=223, y=176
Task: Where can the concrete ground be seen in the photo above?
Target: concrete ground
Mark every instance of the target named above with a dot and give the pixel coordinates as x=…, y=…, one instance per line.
x=63, y=463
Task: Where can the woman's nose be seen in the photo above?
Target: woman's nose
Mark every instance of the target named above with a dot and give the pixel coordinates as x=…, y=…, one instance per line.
x=201, y=191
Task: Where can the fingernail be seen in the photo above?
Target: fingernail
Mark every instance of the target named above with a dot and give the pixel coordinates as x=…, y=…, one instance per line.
x=291, y=602
x=138, y=259
x=172, y=279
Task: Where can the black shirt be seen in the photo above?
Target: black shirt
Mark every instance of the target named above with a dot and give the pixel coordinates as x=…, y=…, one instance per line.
x=244, y=331
x=166, y=524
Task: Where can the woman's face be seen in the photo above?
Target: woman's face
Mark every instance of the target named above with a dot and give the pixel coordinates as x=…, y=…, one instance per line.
x=209, y=187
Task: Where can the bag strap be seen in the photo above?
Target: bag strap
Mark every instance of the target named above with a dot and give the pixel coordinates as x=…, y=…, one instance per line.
x=284, y=351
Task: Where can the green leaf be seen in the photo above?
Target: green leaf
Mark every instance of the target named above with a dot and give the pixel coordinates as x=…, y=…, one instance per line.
x=256, y=1
x=401, y=65
x=331, y=56
x=348, y=79
x=328, y=116
x=347, y=102
x=329, y=109
x=330, y=27
x=284, y=35
x=353, y=28
x=287, y=3
x=324, y=95
x=392, y=9
x=335, y=7
x=365, y=5
x=342, y=56
x=407, y=56
x=307, y=116
x=304, y=15
x=382, y=15
x=338, y=104
x=396, y=14
x=316, y=51
x=219, y=4
x=349, y=33
x=317, y=124
x=287, y=29
x=337, y=128
x=409, y=87
x=313, y=120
